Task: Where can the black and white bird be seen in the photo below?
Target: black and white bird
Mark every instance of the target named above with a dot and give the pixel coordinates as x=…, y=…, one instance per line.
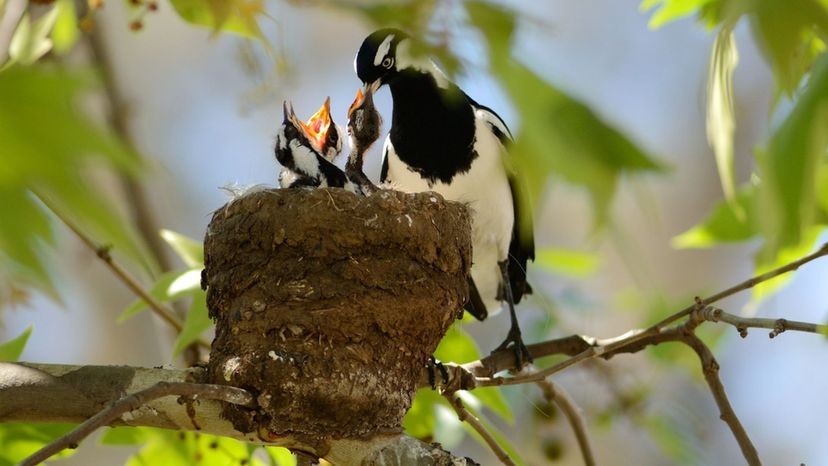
x=364, y=124
x=297, y=153
x=324, y=135
x=442, y=140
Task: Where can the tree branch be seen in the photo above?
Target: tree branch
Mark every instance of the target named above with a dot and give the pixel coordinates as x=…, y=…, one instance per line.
x=777, y=326
x=747, y=284
x=553, y=392
x=580, y=348
x=710, y=368
x=127, y=279
x=135, y=401
x=465, y=416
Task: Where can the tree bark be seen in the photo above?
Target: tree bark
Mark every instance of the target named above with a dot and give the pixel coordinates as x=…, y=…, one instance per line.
x=67, y=393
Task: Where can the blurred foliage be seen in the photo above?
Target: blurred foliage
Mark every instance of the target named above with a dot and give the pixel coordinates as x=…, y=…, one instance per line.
x=431, y=416
x=167, y=447
x=235, y=16
x=18, y=441
x=721, y=117
x=175, y=285
x=11, y=350
x=559, y=136
x=566, y=261
x=788, y=185
x=52, y=153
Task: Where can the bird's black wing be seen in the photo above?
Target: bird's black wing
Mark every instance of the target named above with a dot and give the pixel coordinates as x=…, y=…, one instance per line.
x=522, y=245
x=493, y=120
x=384, y=171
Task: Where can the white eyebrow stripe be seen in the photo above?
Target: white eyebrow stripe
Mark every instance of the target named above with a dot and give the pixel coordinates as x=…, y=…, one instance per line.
x=383, y=49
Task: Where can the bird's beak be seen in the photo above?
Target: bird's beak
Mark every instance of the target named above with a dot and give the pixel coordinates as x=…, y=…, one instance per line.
x=372, y=87
x=318, y=124
x=357, y=102
x=285, y=111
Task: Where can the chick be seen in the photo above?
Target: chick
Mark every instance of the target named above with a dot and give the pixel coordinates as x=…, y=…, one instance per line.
x=323, y=135
x=364, y=123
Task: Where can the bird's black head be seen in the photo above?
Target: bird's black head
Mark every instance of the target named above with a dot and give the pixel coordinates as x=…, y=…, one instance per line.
x=376, y=62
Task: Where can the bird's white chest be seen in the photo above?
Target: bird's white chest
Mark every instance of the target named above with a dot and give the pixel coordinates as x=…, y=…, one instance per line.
x=484, y=187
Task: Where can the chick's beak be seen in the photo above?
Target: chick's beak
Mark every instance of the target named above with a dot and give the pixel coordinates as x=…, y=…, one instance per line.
x=357, y=102
x=318, y=125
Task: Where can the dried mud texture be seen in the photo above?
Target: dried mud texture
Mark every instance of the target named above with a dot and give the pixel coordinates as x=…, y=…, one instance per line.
x=327, y=305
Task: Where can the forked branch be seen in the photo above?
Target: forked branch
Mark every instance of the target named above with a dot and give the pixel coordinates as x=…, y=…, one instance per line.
x=135, y=401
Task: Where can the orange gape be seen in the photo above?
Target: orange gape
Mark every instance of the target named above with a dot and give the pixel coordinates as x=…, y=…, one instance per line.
x=357, y=102
x=318, y=125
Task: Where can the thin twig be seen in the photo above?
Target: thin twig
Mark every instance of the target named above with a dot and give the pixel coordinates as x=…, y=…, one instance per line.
x=132, y=402
x=537, y=376
x=777, y=326
x=554, y=393
x=747, y=284
x=578, y=346
x=464, y=415
x=710, y=368
x=127, y=279
x=134, y=191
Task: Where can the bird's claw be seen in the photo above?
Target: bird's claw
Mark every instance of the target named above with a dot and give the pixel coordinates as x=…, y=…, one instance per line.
x=514, y=341
x=432, y=366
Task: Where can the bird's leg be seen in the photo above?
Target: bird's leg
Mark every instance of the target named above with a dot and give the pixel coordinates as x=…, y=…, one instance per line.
x=513, y=338
x=433, y=365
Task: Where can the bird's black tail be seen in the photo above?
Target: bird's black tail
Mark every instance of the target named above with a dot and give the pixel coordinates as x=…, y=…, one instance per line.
x=475, y=304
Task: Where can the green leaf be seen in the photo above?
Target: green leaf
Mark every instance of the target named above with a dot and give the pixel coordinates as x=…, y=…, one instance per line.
x=280, y=456
x=419, y=420
x=493, y=399
x=724, y=225
x=166, y=447
x=125, y=436
x=788, y=167
x=65, y=33
x=559, y=135
x=23, y=232
x=30, y=40
x=18, y=440
x=11, y=350
x=196, y=323
x=189, y=250
x=457, y=346
x=409, y=15
x=187, y=283
x=789, y=33
x=50, y=149
x=235, y=16
x=566, y=261
x=721, y=122
x=671, y=10
x=169, y=286
x=784, y=256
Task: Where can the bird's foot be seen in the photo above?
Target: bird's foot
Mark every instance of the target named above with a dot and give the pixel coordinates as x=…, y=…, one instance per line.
x=433, y=366
x=514, y=341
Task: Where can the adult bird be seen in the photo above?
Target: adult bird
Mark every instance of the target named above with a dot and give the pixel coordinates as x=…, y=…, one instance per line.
x=442, y=140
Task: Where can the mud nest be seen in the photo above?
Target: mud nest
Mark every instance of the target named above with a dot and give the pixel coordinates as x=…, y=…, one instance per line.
x=327, y=305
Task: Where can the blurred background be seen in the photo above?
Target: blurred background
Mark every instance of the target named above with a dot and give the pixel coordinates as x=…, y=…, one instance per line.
x=202, y=110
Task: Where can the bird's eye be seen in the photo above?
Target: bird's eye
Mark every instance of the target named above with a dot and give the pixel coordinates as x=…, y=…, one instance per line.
x=387, y=62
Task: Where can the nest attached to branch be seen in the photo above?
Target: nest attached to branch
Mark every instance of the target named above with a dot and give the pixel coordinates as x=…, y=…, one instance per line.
x=328, y=305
